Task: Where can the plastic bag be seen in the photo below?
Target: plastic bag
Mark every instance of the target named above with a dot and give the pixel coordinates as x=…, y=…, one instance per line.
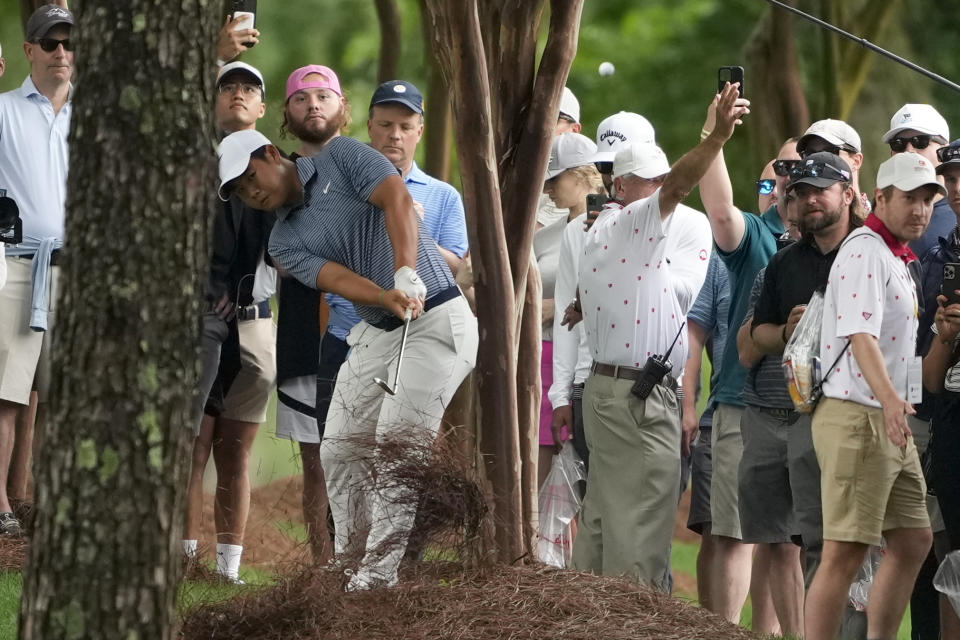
x=947, y=580
x=801, y=357
x=860, y=587
x=559, y=504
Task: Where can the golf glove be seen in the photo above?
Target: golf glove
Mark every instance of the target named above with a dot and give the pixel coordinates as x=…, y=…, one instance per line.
x=407, y=280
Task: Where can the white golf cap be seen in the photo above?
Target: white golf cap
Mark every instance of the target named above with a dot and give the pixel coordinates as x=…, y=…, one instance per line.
x=836, y=132
x=918, y=117
x=234, y=153
x=569, y=150
x=643, y=159
x=241, y=67
x=907, y=171
x=618, y=131
x=569, y=105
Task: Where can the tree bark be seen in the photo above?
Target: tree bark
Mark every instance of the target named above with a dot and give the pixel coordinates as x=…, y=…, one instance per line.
x=439, y=126
x=105, y=558
x=391, y=39
x=529, y=397
x=503, y=150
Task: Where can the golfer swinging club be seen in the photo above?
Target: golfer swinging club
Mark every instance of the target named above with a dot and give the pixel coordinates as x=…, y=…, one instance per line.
x=346, y=225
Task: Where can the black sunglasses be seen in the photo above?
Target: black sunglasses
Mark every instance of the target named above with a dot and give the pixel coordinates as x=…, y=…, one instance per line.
x=818, y=170
x=899, y=145
x=946, y=154
x=765, y=186
x=783, y=167
x=50, y=44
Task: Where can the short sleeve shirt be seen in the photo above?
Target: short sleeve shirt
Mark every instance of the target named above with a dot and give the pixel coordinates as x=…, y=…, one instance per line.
x=711, y=311
x=639, y=276
x=765, y=385
x=337, y=223
x=759, y=243
x=870, y=291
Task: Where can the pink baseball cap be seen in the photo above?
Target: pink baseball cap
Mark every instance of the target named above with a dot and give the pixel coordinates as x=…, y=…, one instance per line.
x=296, y=81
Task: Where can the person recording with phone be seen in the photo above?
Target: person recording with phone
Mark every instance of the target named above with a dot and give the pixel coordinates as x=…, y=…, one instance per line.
x=238, y=33
x=641, y=270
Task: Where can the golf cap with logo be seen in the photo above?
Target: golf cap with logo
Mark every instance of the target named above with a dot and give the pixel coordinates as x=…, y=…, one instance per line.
x=619, y=130
x=949, y=157
x=836, y=132
x=643, y=159
x=569, y=105
x=237, y=68
x=834, y=169
x=569, y=150
x=918, y=117
x=234, y=153
x=908, y=171
x=299, y=80
x=400, y=92
x=45, y=18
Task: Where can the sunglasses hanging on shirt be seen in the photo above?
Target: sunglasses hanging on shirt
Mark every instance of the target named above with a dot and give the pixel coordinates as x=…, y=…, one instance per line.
x=899, y=145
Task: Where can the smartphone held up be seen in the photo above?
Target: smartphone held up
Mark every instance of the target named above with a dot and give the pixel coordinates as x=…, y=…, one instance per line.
x=245, y=12
x=731, y=75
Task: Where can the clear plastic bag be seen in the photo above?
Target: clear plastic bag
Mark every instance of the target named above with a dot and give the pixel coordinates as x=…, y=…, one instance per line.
x=801, y=357
x=559, y=504
x=860, y=587
x=947, y=580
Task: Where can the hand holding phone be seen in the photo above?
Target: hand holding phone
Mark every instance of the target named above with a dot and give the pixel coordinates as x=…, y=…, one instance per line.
x=595, y=203
x=731, y=75
x=950, y=283
x=244, y=15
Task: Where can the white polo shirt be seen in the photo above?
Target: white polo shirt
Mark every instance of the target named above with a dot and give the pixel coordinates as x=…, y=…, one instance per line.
x=869, y=291
x=639, y=276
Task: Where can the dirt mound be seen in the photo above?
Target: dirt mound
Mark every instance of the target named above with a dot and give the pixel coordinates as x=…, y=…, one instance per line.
x=443, y=601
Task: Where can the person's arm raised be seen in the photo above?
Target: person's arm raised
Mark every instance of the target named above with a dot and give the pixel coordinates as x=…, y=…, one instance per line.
x=716, y=192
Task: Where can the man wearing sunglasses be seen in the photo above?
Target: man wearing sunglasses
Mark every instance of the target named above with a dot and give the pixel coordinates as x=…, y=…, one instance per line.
x=34, y=123
x=919, y=128
x=745, y=243
x=840, y=139
x=872, y=487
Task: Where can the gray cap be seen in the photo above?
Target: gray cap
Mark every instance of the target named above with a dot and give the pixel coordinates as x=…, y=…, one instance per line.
x=45, y=18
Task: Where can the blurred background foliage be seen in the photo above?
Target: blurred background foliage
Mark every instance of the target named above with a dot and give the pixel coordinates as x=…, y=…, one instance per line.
x=666, y=54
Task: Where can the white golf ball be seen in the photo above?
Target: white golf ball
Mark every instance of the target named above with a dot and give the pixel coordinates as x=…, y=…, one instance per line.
x=606, y=69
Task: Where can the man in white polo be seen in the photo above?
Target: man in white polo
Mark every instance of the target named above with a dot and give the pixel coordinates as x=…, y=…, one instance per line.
x=640, y=273
x=871, y=481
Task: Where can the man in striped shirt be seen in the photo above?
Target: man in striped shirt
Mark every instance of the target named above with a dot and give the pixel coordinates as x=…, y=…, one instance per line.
x=346, y=225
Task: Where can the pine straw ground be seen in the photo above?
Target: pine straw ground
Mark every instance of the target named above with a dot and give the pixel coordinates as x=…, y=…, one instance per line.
x=444, y=601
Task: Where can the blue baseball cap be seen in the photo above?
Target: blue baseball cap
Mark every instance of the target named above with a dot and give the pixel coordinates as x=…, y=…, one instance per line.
x=401, y=92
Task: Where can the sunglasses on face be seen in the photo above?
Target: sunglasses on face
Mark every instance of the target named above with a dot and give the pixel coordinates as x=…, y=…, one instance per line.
x=899, y=145
x=50, y=44
x=765, y=186
x=783, y=167
x=818, y=170
x=946, y=154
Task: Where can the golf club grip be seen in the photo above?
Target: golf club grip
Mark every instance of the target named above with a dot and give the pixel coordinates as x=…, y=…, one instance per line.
x=408, y=315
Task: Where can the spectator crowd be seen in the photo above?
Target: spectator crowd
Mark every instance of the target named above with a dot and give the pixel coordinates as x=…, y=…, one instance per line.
x=795, y=502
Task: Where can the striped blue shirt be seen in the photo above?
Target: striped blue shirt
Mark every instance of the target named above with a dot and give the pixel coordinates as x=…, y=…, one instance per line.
x=337, y=223
x=444, y=220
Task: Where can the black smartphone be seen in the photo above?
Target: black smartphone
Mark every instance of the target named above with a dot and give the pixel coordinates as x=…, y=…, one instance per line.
x=246, y=11
x=731, y=75
x=595, y=201
x=951, y=282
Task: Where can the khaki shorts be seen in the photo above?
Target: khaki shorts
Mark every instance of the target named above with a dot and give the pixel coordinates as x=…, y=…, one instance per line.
x=868, y=485
x=249, y=394
x=724, y=484
x=24, y=353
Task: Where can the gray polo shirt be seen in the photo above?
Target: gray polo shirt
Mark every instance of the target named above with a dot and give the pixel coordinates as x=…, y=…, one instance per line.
x=336, y=223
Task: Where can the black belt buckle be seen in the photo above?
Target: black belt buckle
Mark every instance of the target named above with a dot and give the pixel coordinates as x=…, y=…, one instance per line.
x=254, y=311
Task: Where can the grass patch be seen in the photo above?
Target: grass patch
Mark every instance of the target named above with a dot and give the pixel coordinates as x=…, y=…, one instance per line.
x=11, y=583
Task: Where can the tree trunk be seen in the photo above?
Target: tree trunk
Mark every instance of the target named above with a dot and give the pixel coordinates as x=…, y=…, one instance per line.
x=105, y=557
x=529, y=392
x=503, y=150
x=439, y=128
x=391, y=39
x=27, y=7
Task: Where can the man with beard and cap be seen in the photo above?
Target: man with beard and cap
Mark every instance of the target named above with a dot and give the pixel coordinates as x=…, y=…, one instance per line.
x=347, y=225
x=779, y=479
x=872, y=486
x=34, y=125
x=315, y=112
x=840, y=139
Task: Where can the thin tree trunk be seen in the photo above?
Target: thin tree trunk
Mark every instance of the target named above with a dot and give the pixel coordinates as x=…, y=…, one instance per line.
x=391, y=39
x=529, y=392
x=105, y=558
x=439, y=125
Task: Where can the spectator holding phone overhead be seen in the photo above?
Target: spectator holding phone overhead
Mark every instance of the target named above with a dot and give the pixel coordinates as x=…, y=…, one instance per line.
x=238, y=33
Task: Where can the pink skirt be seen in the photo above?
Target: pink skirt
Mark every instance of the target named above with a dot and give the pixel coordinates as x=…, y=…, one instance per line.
x=546, y=409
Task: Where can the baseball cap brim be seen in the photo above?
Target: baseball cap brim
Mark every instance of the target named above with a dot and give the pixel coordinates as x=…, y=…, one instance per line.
x=943, y=167
x=236, y=68
x=603, y=156
x=915, y=182
x=234, y=156
x=893, y=133
x=409, y=104
x=819, y=182
x=233, y=170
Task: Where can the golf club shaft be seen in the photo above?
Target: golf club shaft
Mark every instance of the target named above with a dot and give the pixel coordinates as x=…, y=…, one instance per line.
x=403, y=343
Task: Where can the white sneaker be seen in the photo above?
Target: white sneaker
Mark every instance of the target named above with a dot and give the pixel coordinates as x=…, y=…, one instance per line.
x=362, y=580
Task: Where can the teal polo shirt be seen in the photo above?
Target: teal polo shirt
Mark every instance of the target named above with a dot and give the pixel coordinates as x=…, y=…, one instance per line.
x=743, y=264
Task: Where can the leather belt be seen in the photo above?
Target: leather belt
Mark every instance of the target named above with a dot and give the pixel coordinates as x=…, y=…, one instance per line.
x=255, y=311
x=391, y=322
x=623, y=372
